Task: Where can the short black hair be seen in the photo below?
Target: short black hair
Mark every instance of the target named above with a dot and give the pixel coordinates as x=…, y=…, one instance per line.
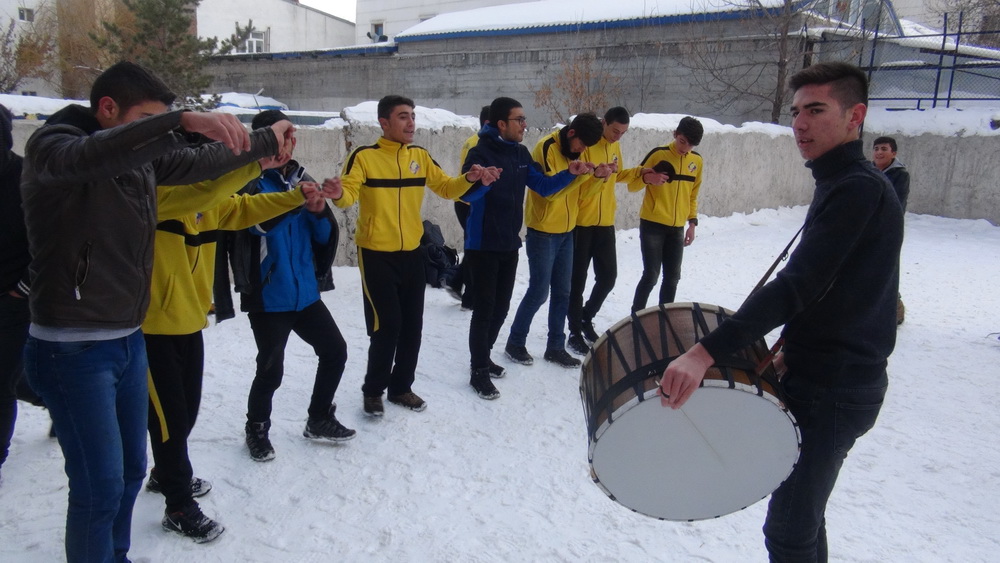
x=267, y=118
x=129, y=85
x=692, y=130
x=500, y=109
x=484, y=115
x=849, y=84
x=587, y=128
x=389, y=103
x=616, y=114
x=886, y=141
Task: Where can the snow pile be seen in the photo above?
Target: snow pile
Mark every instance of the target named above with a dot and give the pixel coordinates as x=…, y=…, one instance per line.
x=508, y=480
x=435, y=119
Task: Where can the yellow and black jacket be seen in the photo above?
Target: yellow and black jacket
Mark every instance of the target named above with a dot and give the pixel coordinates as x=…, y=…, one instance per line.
x=558, y=212
x=387, y=180
x=184, y=257
x=599, y=208
x=675, y=202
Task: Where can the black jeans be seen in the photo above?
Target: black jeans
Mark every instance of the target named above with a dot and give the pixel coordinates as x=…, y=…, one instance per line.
x=597, y=244
x=493, y=275
x=662, y=247
x=393, y=287
x=831, y=419
x=176, y=366
x=314, y=325
x=14, y=321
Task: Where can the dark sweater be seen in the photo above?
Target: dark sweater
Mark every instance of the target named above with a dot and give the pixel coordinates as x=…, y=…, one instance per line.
x=837, y=294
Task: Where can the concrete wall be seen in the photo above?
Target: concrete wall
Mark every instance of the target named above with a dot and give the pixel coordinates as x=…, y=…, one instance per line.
x=744, y=171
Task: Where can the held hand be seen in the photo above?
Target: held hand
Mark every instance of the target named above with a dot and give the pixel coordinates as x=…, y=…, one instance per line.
x=313, y=195
x=778, y=361
x=333, y=188
x=490, y=175
x=284, y=132
x=604, y=170
x=653, y=178
x=683, y=376
x=223, y=127
x=276, y=161
x=689, y=235
x=578, y=167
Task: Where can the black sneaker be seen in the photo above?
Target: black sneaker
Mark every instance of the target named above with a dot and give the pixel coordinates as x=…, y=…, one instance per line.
x=496, y=372
x=409, y=400
x=199, y=487
x=589, y=334
x=192, y=523
x=518, y=354
x=257, y=441
x=561, y=358
x=480, y=381
x=373, y=406
x=577, y=344
x=328, y=428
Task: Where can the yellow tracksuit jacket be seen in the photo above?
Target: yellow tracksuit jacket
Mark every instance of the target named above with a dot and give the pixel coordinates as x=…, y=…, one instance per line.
x=599, y=209
x=558, y=212
x=676, y=201
x=387, y=180
x=184, y=251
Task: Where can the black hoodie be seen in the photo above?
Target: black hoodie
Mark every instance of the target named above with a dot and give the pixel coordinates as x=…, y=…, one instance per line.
x=14, y=257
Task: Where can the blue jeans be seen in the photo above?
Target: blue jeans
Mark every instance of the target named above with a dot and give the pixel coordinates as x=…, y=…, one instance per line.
x=831, y=419
x=97, y=395
x=550, y=265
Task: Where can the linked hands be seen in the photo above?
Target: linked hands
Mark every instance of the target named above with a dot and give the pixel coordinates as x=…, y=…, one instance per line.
x=605, y=170
x=228, y=130
x=579, y=167
x=653, y=178
x=316, y=195
x=485, y=175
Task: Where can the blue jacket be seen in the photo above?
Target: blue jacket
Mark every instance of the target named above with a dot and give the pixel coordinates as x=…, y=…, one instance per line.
x=497, y=211
x=287, y=271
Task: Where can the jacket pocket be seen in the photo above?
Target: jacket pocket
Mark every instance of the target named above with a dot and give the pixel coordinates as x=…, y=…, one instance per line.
x=82, y=270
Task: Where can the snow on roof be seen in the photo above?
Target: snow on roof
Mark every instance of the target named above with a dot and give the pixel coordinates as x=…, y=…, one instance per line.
x=554, y=13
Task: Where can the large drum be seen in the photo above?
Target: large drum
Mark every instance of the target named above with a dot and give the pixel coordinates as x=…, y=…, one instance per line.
x=728, y=447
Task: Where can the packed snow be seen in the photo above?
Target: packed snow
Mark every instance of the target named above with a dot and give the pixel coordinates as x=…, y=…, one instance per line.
x=508, y=480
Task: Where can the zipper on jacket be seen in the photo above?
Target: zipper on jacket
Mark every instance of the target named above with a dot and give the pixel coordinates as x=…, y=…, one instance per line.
x=82, y=269
x=399, y=200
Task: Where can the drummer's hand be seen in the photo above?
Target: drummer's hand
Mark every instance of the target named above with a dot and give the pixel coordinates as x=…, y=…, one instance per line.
x=683, y=376
x=778, y=361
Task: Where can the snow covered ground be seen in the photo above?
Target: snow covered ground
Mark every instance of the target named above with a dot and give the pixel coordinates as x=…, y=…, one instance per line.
x=470, y=480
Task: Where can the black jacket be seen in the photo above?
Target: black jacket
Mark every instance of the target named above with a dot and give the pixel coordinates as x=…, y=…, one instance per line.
x=90, y=210
x=14, y=257
x=837, y=293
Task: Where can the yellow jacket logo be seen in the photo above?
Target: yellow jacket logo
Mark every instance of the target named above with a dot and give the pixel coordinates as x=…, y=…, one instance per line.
x=692, y=167
x=414, y=167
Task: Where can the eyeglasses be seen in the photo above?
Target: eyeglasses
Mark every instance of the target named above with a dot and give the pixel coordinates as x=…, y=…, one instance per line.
x=521, y=120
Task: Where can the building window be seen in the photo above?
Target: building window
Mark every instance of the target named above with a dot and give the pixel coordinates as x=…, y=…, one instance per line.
x=26, y=14
x=256, y=43
x=29, y=93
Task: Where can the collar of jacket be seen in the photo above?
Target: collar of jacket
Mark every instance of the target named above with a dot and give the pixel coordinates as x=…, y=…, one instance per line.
x=492, y=134
x=291, y=179
x=387, y=144
x=836, y=159
x=77, y=116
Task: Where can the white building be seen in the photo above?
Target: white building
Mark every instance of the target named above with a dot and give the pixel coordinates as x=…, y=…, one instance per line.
x=280, y=25
x=23, y=13
x=376, y=18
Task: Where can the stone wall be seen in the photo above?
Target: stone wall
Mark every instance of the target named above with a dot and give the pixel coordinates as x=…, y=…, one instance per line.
x=745, y=170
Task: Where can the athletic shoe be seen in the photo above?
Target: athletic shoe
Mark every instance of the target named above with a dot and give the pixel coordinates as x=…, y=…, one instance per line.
x=577, y=344
x=257, y=441
x=199, y=487
x=192, y=523
x=496, y=372
x=480, y=381
x=373, y=406
x=561, y=358
x=409, y=400
x=589, y=334
x=518, y=354
x=328, y=428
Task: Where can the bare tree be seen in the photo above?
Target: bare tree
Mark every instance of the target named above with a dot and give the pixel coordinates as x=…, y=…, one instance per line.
x=581, y=84
x=981, y=16
x=28, y=50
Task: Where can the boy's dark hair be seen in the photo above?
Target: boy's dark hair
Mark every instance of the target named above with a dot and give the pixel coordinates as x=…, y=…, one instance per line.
x=849, y=85
x=500, y=109
x=616, y=114
x=484, y=116
x=129, y=85
x=587, y=128
x=267, y=118
x=886, y=141
x=389, y=103
x=692, y=130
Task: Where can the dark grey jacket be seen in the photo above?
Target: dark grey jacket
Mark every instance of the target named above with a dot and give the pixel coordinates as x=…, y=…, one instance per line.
x=90, y=209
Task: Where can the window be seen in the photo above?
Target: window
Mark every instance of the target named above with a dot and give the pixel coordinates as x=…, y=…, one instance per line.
x=29, y=93
x=256, y=43
x=26, y=14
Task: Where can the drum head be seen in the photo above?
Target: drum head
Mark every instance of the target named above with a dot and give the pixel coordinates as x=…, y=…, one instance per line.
x=724, y=450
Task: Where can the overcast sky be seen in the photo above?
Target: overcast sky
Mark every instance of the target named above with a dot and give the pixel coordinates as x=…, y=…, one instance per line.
x=340, y=8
